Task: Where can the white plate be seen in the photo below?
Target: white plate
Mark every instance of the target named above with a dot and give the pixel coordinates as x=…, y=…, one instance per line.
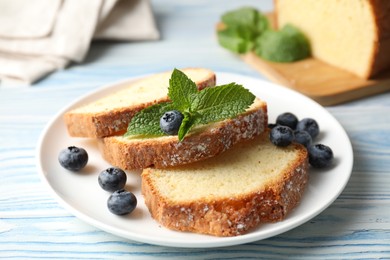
x=81, y=194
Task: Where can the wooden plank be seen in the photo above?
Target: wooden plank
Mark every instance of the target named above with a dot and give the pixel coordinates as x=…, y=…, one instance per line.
x=326, y=84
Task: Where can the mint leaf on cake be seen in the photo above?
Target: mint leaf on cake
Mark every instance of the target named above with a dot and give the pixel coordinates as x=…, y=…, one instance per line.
x=197, y=107
x=181, y=89
x=188, y=122
x=216, y=104
x=146, y=122
x=221, y=102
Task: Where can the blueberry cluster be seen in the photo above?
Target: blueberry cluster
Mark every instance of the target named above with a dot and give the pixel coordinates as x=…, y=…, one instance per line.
x=112, y=179
x=288, y=129
x=121, y=201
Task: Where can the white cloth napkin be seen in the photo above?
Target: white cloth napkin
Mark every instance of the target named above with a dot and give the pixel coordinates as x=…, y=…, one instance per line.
x=41, y=36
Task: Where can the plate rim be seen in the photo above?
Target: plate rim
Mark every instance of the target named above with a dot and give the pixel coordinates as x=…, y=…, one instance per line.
x=222, y=241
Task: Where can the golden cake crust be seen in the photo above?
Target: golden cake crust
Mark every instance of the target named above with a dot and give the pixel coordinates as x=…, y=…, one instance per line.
x=381, y=56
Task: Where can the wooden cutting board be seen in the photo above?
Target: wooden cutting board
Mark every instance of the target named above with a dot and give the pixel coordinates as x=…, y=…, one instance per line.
x=325, y=84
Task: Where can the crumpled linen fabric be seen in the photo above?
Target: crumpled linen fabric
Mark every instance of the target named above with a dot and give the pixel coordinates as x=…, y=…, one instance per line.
x=41, y=36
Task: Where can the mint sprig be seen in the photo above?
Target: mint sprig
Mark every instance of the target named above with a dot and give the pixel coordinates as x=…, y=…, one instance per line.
x=246, y=29
x=198, y=107
x=243, y=26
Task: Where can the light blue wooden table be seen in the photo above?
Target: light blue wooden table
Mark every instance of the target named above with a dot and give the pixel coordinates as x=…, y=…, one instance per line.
x=34, y=225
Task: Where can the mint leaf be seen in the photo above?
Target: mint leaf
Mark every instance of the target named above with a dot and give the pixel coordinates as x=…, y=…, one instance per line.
x=221, y=102
x=285, y=45
x=246, y=16
x=180, y=89
x=243, y=26
x=236, y=39
x=188, y=122
x=147, y=121
x=262, y=24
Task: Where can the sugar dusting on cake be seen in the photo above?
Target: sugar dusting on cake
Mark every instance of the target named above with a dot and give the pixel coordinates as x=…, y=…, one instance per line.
x=228, y=134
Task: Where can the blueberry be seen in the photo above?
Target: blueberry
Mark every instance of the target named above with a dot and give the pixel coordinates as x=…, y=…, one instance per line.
x=320, y=156
x=309, y=125
x=170, y=122
x=121, y=202
x=112, y=179
x=287, y=119
x=281, y=135
x=303, y=138
x=73, y=158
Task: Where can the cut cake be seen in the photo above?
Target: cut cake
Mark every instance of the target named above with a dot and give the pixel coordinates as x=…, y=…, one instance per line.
x=349, y=34
x=255, y=182
x=202, y=142
x=111, y=115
